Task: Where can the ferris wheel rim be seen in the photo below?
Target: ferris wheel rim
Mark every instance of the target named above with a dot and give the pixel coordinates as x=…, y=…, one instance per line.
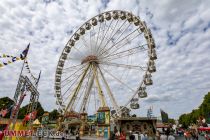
x=68, y=47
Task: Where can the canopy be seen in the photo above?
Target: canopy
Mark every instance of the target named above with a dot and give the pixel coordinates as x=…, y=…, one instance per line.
x=36, y=122
x=204, y=128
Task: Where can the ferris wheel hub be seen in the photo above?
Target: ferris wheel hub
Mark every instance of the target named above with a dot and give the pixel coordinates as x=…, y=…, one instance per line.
x=90, y=59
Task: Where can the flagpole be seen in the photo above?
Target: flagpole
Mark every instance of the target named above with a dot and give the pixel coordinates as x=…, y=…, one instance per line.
x=15, y=98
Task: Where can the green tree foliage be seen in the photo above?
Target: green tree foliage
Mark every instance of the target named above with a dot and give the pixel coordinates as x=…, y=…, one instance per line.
x=23, y=111
x=6, y=102
x=53, y=115
x=203, y=110
x=171, y=121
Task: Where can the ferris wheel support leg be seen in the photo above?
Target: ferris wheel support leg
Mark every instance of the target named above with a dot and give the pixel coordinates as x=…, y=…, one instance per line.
x=87, y=93
x=77, y=90
x=99, y=86
x=116, y=107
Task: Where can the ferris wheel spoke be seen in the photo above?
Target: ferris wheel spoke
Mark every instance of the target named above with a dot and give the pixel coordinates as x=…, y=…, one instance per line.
x=116, y=33
x=98, y=36
x=111, y=96
x=114, y=77
x=69, y=106
x=70, y=81
x=77, y=70
x=72, y=67
x=81, y=93
x=124, y=66
x=87, y=93
x=104, y=36
x=111, y=35
x=69, y=88
x=108, y=49
x=127, y=52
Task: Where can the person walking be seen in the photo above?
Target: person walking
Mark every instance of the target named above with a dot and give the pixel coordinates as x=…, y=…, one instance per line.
x=77, y=136
x=171, y=137
x=163, y=137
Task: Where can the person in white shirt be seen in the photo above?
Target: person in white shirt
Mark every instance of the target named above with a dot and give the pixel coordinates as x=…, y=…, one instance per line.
x=163, y=137
x=171, y=137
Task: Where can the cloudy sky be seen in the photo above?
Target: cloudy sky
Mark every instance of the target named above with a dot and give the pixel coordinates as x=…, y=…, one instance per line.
x=181, y=29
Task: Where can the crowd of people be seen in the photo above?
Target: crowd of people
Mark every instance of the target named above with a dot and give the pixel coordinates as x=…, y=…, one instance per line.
x=142, y=136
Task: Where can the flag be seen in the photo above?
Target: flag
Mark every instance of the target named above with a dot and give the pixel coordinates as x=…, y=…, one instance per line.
x=164, y=116
x=23, y=55
x=38, y=78
x=13, y=59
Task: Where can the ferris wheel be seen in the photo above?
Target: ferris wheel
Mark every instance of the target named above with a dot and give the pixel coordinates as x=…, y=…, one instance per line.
x=107, y=62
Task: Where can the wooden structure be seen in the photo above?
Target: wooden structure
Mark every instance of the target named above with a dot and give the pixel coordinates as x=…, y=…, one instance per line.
x=137, y=125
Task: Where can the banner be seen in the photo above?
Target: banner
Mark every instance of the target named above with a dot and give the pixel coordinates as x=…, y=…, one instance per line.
x=164, y=116
x=101, y=117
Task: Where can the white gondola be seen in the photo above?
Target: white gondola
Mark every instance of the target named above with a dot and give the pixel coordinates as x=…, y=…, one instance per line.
x=76, y=36
x=134, y=103
x=64, y=56
x=134, y=106
x=81, y=31
x=94, y=21
x=115, y=15
x=143, y=26
x=101, y=18
x=122, y=15
x=136, y=21
x=152, y=54
x=71, y=42
x=67, y=49
x=107, y=16
x=148, y=75
x=87, y=26
x=151, y=63
x=59, y=72
x=148, y=34
x=152, y=68
x=129, y=17
x=61, y=63
x=57, y=87
x=148, y=81
x=151, y=44
x=57, y=80
x=58, y=95
x=142, y=94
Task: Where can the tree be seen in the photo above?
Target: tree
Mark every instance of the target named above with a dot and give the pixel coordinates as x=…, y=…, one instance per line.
x=53, y=115
x=23, y=111
x=6, y=103
x=203, y=110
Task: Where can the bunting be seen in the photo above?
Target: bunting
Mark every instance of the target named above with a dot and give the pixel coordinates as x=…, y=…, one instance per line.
x=23, y=56
x=13, y=59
